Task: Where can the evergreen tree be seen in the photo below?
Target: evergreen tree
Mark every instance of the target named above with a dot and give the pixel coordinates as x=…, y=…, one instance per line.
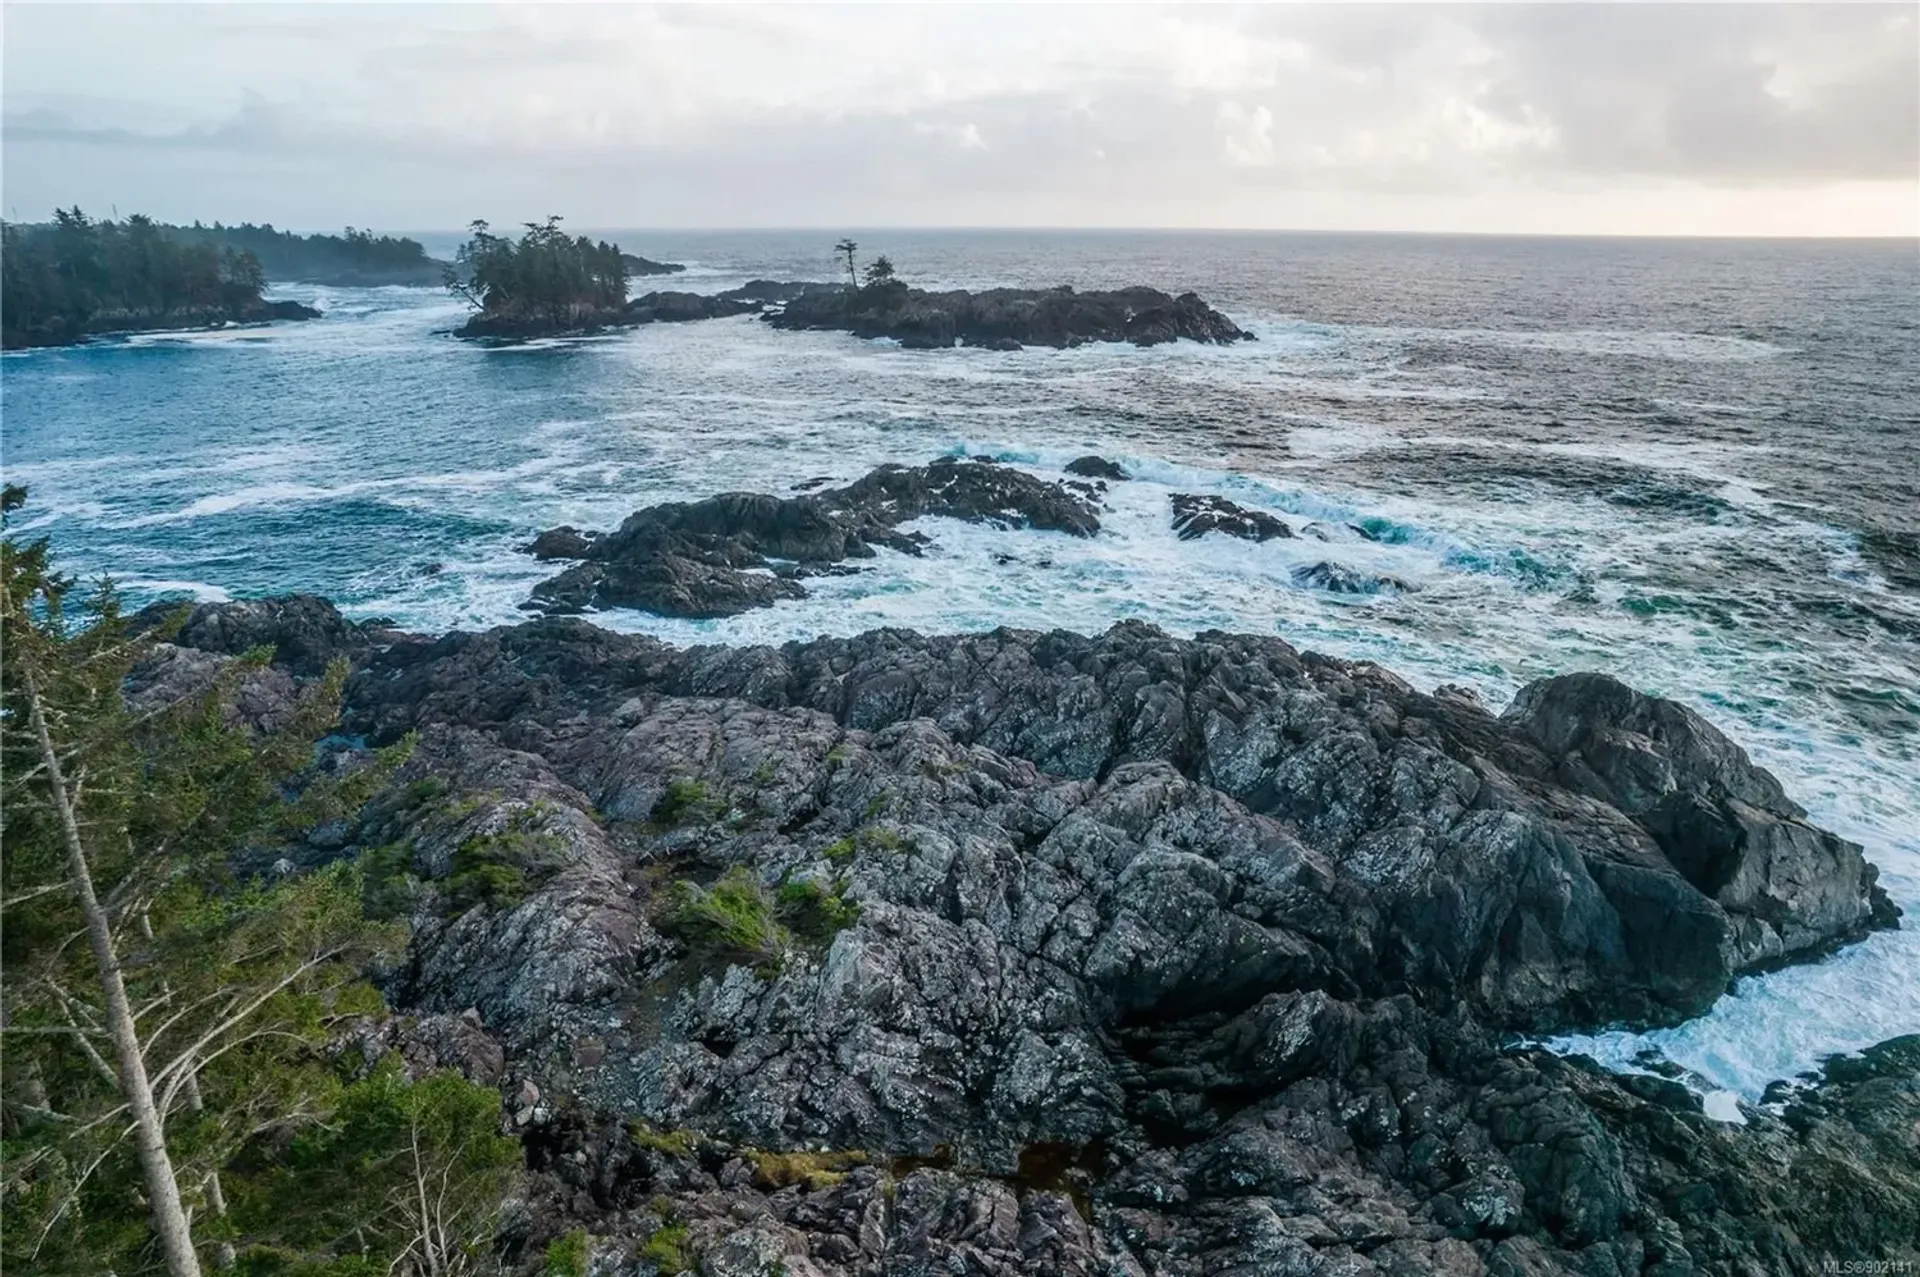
x=165, y=1015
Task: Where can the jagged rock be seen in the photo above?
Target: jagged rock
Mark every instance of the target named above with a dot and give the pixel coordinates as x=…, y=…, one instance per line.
x=1092, y=467
x=638, y=265
x=564, y=542
x=1172, y=957
x=306, y=632
x=671, y=308
x=1195, y=515
x=716, y=557
x=1337, y=578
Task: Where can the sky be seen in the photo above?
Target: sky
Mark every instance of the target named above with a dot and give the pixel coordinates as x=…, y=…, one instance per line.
x=1721, y=119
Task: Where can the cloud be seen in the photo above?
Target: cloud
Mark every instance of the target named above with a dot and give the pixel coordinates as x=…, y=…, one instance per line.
x=633, y=113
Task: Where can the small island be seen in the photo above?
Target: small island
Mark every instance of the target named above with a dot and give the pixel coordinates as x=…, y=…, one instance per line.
x=1000, y=318
x=64, y=281
x=544, y=284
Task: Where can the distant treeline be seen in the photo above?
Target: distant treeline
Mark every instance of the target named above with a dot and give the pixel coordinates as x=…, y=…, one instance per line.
x=353, y=257
x=64, y=279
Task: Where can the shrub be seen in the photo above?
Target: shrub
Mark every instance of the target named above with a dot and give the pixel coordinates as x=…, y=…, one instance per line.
x=813, y=1171
x=814, y=912
x=733, y=919
x=683, y=799
x=569, y=1254
x=667, y=1249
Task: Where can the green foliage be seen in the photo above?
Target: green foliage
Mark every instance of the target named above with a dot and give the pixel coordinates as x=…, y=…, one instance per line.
x=64, y=278
x=733, y=919
x=569, y=1254
x=498, y=869
x=683, y=800
x=239, y=985
x=739, y=920
x=352, y=1184
x=814, y=912
x=676, y=1144
x=879, y=272
x=840, y=851
x=812, y=1171
x=667, y=1250
x=545, y=276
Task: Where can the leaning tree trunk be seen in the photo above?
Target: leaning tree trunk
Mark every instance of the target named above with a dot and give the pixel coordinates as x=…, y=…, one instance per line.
x=169, y=1217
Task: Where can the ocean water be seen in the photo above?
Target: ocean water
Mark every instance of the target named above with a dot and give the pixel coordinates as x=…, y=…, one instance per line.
x=1695, y=465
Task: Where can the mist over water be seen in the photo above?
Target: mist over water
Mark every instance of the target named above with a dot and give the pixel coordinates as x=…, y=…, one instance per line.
x=1692, y=465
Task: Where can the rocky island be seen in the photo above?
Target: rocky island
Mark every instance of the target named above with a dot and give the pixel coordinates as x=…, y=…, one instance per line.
x=1008, y=318
x=65, y=281
x=1020, y=953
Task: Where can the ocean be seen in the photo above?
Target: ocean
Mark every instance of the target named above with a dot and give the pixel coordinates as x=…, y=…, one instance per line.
x=1692, y=464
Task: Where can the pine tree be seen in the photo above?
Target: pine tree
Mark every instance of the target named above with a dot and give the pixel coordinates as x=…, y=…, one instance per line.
x=154, y=997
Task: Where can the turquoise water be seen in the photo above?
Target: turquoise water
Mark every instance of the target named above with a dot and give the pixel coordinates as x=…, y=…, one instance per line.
x=1692, y=465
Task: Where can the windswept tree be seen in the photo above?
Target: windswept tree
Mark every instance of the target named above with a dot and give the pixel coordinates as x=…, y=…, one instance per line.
x=879, y=271
x=846, y=248
x=163, y=1010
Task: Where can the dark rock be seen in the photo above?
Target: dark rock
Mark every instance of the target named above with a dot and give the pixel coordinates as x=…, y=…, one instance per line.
x=717, y=557
x=564, y=542
x=1091, y=467
x=676, y=308
x=1195, y=515
x=770, y=290
x=1337, y=578
x=580, y=320
x=306, y=632
x=1005, y=318
x=1173, y=958
x=638, y=265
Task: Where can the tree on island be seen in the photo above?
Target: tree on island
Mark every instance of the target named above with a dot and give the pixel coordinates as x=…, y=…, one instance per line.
x=847, y=247
x=880, y=271
x=545, y=279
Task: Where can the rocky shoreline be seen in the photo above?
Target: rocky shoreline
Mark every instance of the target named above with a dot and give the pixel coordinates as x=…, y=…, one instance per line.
x=129, y=323
x=1044, y=953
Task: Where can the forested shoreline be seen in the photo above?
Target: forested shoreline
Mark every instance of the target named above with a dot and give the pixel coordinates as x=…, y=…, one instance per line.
x=75, y=277
x=352, y=258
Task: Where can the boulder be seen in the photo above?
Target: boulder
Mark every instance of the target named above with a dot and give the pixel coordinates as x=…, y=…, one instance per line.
x=1195, y=515
x=1092, y=467
x=1337, y=578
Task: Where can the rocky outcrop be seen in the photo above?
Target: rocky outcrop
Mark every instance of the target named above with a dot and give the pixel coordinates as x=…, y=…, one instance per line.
x=1117, y=954
x=1092, y=467
x=1194, y=516
x=1338, y=578
x=737, y=551
x=671, y=308
x=305, y=632
x=116, y=323
x=1008, y=318
x=638, y=265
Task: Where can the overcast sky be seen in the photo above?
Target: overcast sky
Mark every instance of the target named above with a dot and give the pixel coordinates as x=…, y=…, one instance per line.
x=1719, y=119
